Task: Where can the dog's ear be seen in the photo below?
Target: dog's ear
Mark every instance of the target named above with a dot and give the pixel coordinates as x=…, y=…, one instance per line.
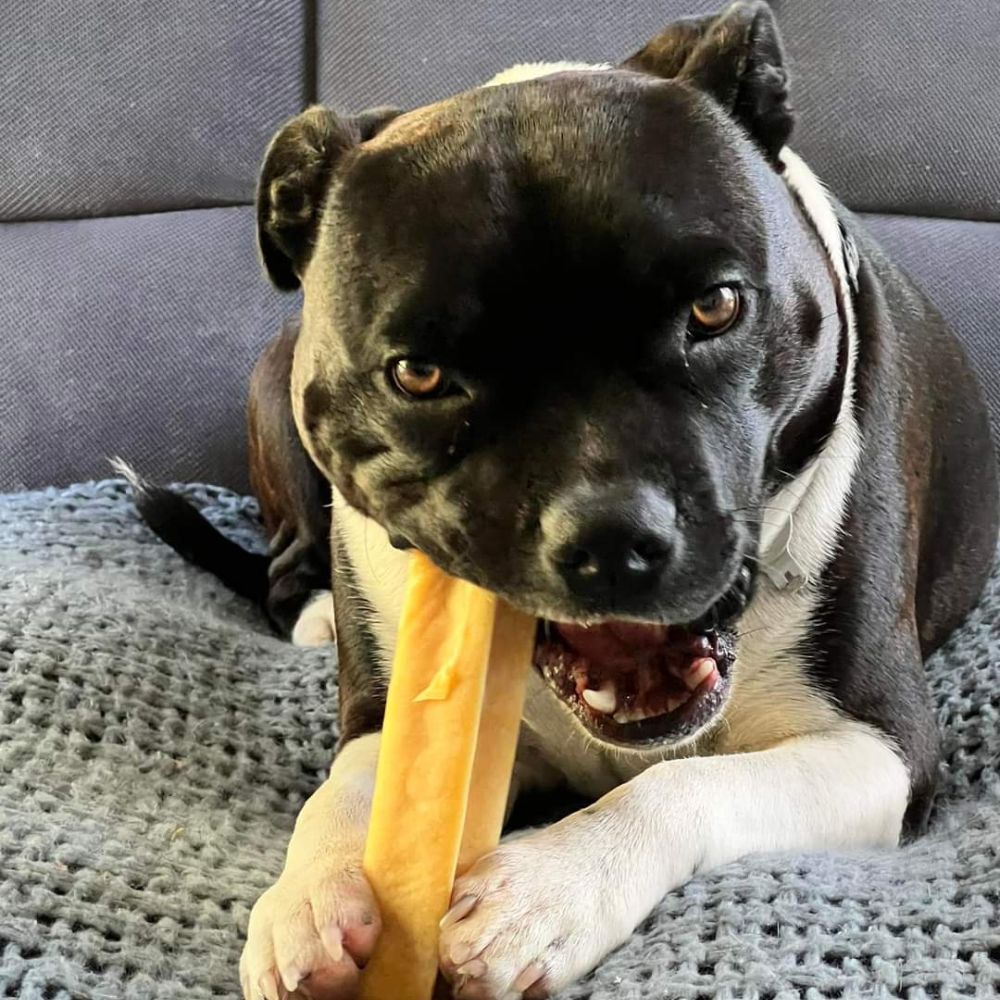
x=736, y=57
x=293, y=183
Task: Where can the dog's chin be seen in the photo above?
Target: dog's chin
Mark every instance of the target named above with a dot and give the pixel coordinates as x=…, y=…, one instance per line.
x=641, y=684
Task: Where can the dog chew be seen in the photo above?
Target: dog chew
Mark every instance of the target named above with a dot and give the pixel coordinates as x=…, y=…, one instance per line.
x=446, y=756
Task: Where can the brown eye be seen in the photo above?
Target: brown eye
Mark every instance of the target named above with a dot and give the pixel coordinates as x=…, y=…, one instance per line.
x=416, y=378
x=715, y=311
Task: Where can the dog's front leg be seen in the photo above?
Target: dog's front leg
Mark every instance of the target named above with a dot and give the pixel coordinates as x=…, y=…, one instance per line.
x=319, y=921
x=539, y=912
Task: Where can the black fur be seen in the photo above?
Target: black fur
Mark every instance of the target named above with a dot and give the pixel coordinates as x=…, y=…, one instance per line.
x=293, y=182
x=360, y=675
x=294, y=495
x=581, y=281
x=921, y=525
x=735, y=56
x=178, y=523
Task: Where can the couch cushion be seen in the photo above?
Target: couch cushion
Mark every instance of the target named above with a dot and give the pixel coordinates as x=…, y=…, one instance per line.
x=109, y=106
x=397, y=52
x=132, y=336
x=899, y=103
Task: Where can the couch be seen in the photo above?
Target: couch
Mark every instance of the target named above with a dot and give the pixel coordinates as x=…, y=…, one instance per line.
x=155, y=739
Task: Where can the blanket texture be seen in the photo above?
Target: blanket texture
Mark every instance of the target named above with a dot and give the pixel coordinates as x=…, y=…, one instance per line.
x=156, y=742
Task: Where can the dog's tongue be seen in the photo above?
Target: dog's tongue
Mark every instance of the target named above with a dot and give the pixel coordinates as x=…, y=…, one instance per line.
x=612, y=644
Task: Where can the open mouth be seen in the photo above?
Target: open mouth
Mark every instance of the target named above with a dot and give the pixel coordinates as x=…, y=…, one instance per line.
x=637, y=684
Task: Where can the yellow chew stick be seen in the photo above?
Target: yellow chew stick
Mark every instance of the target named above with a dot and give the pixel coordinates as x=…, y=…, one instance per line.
x=426, y=762
x=499, y=725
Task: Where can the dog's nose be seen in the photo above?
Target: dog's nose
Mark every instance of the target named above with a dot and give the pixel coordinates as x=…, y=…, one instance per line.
x=615, y=545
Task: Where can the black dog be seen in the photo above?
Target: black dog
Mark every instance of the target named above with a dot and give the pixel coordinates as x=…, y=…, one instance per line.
x=599, y=342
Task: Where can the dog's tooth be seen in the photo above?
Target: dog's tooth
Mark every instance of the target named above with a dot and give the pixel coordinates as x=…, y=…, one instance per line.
x=604, y=699
x=699, y=672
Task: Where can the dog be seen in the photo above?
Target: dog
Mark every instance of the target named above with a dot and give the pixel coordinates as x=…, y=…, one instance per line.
x=596, y=339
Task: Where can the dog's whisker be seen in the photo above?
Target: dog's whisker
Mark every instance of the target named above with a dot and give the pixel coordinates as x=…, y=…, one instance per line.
x=752, y=631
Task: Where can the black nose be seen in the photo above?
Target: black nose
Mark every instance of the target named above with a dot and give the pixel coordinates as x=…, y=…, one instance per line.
x=615, y=545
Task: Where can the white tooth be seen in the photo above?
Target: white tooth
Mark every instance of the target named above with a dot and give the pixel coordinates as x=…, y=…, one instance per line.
x=632, y=715
x=604, y=700
x=699, y=672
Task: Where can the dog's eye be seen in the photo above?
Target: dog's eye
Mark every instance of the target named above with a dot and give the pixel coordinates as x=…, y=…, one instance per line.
x=715, y=311
x=417, y=379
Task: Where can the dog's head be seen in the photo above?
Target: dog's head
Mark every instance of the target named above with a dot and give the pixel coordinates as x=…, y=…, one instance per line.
x=564, y=336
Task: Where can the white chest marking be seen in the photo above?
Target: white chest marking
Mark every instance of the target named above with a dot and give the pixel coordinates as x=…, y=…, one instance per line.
x=379, y=569
x=802, y=521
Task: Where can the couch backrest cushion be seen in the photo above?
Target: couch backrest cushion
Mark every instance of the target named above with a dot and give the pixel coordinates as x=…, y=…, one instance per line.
x=111, y=106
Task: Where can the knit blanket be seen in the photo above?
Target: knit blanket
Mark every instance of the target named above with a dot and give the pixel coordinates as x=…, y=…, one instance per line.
x=156, y=743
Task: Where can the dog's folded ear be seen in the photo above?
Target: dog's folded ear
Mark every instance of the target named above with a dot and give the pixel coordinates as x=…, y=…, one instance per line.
x=293, y=182
x=736, y=57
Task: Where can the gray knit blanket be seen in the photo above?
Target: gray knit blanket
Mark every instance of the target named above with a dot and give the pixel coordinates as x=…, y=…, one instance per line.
x=156, y=742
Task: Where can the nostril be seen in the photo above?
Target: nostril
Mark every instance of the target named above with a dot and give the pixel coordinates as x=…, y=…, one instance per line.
x=581, y=562
x=647, y=553
x=636, y=562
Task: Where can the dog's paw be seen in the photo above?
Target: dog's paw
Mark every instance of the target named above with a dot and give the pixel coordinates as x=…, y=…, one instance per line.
x=309, y=935
x=527, y=920
x=315, y=624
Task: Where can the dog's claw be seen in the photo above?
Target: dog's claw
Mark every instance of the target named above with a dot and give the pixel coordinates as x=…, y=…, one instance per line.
x=268, y=986
x=461, y=909
x=528, y=977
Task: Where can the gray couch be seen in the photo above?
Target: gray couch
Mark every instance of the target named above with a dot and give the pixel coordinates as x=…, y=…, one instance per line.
x=156, y=741
x=131, y=302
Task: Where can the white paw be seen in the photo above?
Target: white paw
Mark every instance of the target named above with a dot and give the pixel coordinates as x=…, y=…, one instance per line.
x=531, y=917
x=314, y=626
x=309, y=934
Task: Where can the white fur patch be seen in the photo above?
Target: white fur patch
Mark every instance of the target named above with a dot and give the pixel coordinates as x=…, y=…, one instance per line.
x=802, y=521
x=319, y=906
x=536, y=70
x=841, y=790
x=315, y=624
x=128, y=473
x=380, y=571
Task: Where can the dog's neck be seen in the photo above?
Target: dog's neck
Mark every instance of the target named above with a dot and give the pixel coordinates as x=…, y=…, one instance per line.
x=802, y=520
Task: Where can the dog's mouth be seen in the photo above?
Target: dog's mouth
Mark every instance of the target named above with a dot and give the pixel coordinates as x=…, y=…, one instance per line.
x=636, y=684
